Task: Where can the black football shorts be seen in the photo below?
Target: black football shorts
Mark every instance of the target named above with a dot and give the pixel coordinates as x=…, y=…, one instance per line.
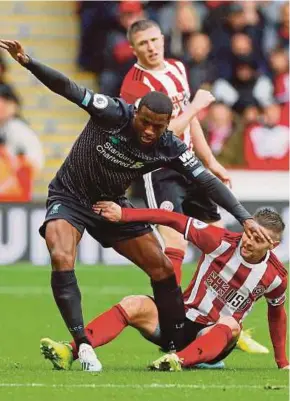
x=82, y=218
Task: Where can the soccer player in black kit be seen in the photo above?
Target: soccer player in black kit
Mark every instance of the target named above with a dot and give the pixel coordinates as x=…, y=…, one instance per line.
x=118, y=145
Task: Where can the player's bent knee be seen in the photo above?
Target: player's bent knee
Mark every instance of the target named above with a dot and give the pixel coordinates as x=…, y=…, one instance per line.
x=163, y=270
x=232, y=324
x=134, y=306
x=61, y=259
x=172, y=238
x=61, y=240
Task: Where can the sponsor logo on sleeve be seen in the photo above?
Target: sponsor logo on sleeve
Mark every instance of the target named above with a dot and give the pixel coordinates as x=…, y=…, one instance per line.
x=277, y=301
x=188, y=159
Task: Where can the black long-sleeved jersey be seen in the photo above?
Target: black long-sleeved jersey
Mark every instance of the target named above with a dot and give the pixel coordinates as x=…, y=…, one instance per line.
x=107, y=157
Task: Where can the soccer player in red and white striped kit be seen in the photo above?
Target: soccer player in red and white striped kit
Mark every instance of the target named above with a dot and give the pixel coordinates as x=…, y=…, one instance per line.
x=233, y=273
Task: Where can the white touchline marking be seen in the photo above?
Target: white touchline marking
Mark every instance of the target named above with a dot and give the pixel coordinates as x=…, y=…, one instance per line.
x=150, y=386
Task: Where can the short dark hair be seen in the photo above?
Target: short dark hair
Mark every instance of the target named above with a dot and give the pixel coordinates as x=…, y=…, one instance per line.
x=138, y=26
x=269, y=218
x=6, y=92
x=157, y=102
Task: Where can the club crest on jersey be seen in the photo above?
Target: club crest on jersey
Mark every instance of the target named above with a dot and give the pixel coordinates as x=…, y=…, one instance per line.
x=100, y=101
x=258, y=291
x=167, y=205
x=114, y=140
x=199, y=224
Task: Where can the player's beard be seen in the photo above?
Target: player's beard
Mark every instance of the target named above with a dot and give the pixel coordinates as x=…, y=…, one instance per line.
x=146, y=143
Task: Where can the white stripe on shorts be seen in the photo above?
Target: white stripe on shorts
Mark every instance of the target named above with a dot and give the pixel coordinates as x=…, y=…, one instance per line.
x=151, y=200
x=150, y=191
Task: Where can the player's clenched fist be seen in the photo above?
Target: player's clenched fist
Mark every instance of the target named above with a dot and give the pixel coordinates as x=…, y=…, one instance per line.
x=202, y=99
x=15, y=49
x=109, y=210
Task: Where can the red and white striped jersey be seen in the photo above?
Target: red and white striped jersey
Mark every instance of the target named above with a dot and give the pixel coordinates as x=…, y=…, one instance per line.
x=172, y=81
x=224, y=283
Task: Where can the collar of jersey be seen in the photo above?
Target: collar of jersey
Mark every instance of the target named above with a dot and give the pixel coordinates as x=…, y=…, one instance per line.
x=153, y=71
x=251, y=265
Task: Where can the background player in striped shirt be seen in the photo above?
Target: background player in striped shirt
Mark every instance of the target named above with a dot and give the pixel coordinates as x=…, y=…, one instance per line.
x=164, y=188
x=234, y=272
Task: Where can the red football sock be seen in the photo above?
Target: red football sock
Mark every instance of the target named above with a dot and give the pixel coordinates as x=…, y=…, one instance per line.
x=104, y=328
x=207, y=347
x=176, y=256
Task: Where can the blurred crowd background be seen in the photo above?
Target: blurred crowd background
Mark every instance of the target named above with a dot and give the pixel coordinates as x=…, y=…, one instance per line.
x=239, y=50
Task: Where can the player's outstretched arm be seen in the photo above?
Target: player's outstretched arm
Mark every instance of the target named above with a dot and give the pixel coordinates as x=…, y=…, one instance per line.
x=201, y=100
x=204, y=236
x=16, y=50
x=191, y=167
x=204, y=153
x=277, y=319
x=222, y=195
x=115, y=213
x=51, y=78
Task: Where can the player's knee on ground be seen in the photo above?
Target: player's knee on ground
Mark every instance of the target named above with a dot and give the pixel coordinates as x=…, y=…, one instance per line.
x=135, y=307
x=172, y=238
x=232, y=324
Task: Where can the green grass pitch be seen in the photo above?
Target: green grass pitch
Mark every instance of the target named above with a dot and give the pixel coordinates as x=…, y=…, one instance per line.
x=28, y=313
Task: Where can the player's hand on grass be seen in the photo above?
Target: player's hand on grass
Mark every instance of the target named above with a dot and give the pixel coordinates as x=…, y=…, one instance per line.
x=109, y=210
x=202, y=99
x=252, y=228
x=15, y=49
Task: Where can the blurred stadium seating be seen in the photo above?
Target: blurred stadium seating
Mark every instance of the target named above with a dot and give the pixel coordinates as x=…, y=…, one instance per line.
x=48, y=31
x=53, y=32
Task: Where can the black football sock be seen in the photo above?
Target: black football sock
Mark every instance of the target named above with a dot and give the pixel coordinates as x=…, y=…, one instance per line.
x=171, y=312
x=68, y=299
